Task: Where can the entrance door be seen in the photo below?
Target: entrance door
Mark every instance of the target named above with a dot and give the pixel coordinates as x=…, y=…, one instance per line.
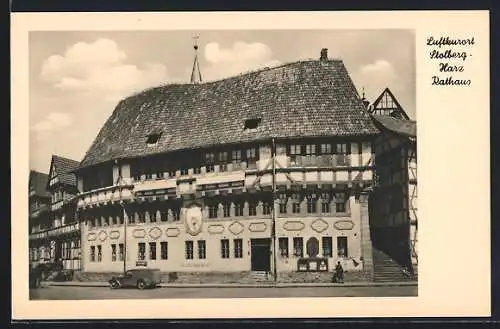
x=261, y=254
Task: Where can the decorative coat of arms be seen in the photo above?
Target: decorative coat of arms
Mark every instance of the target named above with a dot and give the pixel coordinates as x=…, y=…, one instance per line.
x=194, y=220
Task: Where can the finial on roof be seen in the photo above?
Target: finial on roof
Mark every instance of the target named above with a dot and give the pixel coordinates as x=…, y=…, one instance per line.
x=196, y=73
x=363, y=98
x=324, y=54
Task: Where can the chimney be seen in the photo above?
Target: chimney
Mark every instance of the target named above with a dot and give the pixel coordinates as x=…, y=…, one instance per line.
x=366, y=102
x=324, y=54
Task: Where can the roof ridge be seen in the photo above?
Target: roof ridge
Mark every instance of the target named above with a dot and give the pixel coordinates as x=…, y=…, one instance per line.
x=234, y=76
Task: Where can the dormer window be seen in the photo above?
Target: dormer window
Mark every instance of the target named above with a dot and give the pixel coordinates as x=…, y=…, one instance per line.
x=252, y=124
x=152, y=139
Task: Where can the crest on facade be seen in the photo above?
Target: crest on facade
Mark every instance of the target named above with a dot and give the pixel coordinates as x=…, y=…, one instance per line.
x=194, y=220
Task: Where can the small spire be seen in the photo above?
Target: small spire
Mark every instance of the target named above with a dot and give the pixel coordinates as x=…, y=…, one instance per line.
x=196, y=73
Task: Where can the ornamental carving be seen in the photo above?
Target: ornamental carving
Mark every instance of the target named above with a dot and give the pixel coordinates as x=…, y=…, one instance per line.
x=236, y=228
x=216, y=229
x=257, y=227
x=155, y=233
x=139, y=233
x=344, y=225
x=293, y=226
x=194, y=220
x=319, y=225
x=172, y=232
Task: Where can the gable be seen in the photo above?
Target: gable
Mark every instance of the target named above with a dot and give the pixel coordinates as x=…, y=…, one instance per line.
x=386, y=104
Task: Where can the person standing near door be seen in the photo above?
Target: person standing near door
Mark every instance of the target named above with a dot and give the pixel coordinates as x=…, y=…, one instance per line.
x=339, y=273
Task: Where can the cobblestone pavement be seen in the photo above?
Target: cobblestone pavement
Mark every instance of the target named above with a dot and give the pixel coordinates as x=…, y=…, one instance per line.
x=95, y=293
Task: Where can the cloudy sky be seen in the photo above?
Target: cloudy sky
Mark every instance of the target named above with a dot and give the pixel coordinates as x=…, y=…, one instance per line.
x=77, y=78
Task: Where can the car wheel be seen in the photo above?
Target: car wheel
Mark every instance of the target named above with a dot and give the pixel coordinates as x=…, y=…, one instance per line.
x=141, y=284
x=113, y=285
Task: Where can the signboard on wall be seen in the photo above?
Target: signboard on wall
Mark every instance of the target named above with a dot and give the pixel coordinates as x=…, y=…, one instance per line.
x=141, y=263
x=312, y=265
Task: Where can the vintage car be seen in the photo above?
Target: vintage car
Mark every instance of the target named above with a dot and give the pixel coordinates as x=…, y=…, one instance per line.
x=139, y=278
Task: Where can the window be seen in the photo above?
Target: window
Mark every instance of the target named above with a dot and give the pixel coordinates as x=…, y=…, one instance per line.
x=295, y=151
x=113, y=252
x=341, y=156
x=141, y=216
x=189, y=249
x=176, y=213
x=164, y=250
x=99, y=253
x=184, y=171
x=238, y=208
x=121, y=249
x=152, y=250
x=311, y=203
x=212, y=210
x=152, y=216
x=310, y=149
x=92, y=253
x=298, y=247
x=251, y=158
x=340, y=202
x=141, y=251
x=202, y=252
x=224, y=248
x=164, y=216
x=325, y=202
x=236, y=156
x=209, y=161
x=296, y=203
x=152, y=139
x=327, y=246
x=283, y=245
x=342, y=246
x=227, y=208
x=266, y=208
x=283, y=201
x=223, y=160
x=252, y=123
x=252, y=208
x=326, y=149
x=238, y=248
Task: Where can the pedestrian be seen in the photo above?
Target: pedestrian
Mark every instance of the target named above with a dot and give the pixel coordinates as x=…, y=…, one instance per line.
x=339, y=273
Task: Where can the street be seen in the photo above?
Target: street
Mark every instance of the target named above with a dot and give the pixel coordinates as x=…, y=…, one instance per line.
x=96, y=293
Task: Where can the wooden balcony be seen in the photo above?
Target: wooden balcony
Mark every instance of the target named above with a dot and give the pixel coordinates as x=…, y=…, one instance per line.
x=104, y=196
x=56, y=231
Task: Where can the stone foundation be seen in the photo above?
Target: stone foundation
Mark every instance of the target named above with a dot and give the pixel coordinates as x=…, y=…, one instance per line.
x=231, y=277
x=320, y=277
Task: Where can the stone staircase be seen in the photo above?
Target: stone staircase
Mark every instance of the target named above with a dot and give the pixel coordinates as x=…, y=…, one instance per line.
x=386, y=269
x=258, y=277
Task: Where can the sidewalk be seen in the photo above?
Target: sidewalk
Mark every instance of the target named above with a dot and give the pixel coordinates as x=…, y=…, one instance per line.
x=240, y=285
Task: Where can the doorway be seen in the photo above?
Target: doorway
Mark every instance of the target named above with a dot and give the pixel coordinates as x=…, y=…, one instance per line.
x=260, y=254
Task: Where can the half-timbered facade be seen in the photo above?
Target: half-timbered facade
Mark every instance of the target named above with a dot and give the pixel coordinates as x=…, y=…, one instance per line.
x=394, y=212
x=39, y=207
x=265, y=171
x=60, y=239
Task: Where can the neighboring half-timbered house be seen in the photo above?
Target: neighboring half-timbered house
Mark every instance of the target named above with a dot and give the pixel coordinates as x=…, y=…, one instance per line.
x=39, y=207
x=393, y=218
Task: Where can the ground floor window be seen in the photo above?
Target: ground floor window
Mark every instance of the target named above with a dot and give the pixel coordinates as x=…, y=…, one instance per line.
x=189, y=250
x=113, y=252
x=238, y=248
x=164, y=250
x=202, y=252
x=327, y=246
x=141, y=251
x=152, y=250
x=224, y=248
x=342, y=246
x=283, y=245
x=298, y=247
x=92, y=253
x=99, y=253
x=121, y=248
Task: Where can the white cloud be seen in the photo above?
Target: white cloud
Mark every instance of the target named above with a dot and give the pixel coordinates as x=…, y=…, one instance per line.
x=53, y=122
x=100, y=67
x=375, y=77
x=241, y=57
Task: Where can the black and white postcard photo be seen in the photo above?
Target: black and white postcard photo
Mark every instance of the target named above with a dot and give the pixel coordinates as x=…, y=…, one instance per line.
x=167, y=160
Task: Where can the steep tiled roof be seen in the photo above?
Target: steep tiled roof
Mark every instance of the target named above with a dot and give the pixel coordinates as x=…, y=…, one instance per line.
x=402, y=127
x=64, y=168
x=309, y=98
x=38, y=181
